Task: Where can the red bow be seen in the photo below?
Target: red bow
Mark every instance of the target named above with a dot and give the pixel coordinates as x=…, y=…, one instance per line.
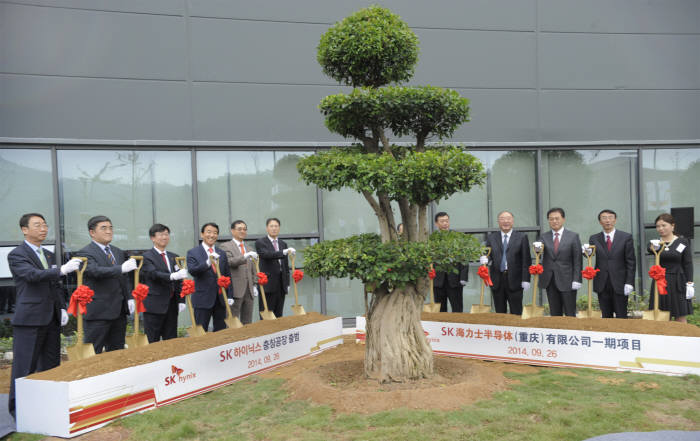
x=483, y=272
x=589, y=273
x=536, y=269
x=262, y=278
x=432, y=274
x=139, y=293
x=80, y=297
x=658, y=273
x=187, y=287
x=223, y=281
x=297, y=275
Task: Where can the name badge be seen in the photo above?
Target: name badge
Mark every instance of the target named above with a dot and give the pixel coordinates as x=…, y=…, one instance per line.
x=53, y=266
x=680, y=248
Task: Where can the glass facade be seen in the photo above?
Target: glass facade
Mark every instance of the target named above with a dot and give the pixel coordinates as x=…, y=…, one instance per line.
x=185, y=187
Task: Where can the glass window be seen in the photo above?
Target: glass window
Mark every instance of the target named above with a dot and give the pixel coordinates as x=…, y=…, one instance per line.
x=254, y=186
x=511, y=185
x=27, y=187
x=671, y=178
x=133, y=188
x=584, y=182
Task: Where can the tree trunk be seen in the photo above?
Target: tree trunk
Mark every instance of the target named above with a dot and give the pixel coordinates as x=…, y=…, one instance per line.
x=396, y=347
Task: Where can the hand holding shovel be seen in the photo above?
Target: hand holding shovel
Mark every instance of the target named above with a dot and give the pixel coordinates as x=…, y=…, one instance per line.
x=188, y=288
x=231, y=320
x=140, y=292
x=533, y=310
x=589, y=273
x=297, y=275
x=266, y=314
x=658, y=273
x=81, y=297
x=432, y=306
x=485, y=280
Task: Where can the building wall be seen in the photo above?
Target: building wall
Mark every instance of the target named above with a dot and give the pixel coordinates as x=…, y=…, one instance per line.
x=535, y=70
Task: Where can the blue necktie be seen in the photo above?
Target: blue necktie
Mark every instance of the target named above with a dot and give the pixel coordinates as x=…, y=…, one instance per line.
x=504, y=265
x=110, y=256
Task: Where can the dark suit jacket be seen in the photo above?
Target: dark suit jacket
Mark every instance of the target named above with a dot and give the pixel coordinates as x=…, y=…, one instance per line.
x=39, y=295
x=242, y=269
x=619, y=264
x=517, y=256
x=564, y=266
x=112, y=288
x=451, y=279
x=155, y=274
x=206, y=290
x=277, y=276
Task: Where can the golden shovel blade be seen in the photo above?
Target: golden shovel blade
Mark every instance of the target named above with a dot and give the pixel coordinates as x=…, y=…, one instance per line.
x=531, y=311
x=233, y=322
x=658, y=315
x=431, y=307
x=298, y=310
x=267, y=315
x=80, y=351
x=196, y=331
x=480, y=309
x=137, y=340
x=589, y=314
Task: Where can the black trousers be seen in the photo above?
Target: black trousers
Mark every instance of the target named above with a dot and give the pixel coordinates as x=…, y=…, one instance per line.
x=34, y=349
x=275, y=302
x=162, y=326
x=504, y=296
x=202, y=316
x=561, y=302
x=454, y=295
x=611, y=303
x=107, y=335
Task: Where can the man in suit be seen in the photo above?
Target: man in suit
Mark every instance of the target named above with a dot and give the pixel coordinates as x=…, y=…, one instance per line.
x=449, y=285
x=562, y=265
x=510, y=254
x=615, y=258
x=41, y=309
x=163, y=277
x=243, y=276
x=107, y=275
x=273, y=254
x=207, y=301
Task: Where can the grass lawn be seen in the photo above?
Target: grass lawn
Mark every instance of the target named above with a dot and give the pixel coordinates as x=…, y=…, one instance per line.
x=552, y=404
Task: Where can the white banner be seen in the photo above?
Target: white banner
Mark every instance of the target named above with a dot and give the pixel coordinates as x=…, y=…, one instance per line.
x=79, y=406
x=659, y=354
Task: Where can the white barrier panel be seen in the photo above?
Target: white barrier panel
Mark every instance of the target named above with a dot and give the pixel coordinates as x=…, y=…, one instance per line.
x=658, y=354
x=70, y=408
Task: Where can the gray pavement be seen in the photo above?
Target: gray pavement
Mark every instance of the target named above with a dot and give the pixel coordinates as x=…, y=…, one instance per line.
x=662, y=435
x=7, y=423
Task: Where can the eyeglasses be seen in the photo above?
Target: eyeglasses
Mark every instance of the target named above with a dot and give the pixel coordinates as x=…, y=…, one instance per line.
x=241, y=229
x=41, y=226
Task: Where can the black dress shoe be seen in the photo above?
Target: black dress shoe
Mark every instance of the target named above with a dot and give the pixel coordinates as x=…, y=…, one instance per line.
x=11, y=311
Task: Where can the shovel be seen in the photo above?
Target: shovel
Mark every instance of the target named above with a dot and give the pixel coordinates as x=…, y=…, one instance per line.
x=195, y=330
x=481, y=308
x=231, y=320
x=590, y=313
x=80, y=350
x=137, y=339
x=266, y=314
x=533, y=310
x=656, y=313
x=297, y=309
x=432, y=306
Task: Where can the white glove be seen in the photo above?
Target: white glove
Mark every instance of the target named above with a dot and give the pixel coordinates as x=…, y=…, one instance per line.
x=251, y=255
x=288, y=251
x=656, y=243
x=129, y=265
x=483, y=260
x=70, y=266
x=64, y=317
x=178, y=275
x=463, y=282
x=181, y=307
x=575, y=286
x=525, y=285
x=131, y=303
x=537, y=245
x=586, y=249
x=628, y=289
x=255, y=291
x=689, y=291
x=215, y=255
x=230, y=302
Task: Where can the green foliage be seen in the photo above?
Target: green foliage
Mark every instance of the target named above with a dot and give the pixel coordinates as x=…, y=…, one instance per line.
x=394, y=263
x=421, y=111
x=694, y=318
x=372, y=47
x=419, y=177
x=5, y=328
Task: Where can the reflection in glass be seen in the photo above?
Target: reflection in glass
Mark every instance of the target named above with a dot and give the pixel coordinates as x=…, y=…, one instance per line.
x=253, y=186
x=27, y=187
x=671, y=178
x=133, y=188
x=511, y=185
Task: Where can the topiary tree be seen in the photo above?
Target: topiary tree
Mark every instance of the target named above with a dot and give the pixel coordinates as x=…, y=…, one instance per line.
x=370, y=50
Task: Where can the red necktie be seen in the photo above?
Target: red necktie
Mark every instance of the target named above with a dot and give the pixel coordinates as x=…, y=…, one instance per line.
x=242, y=248
x=608, y=242
x=556, y=243
x=209, y=257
